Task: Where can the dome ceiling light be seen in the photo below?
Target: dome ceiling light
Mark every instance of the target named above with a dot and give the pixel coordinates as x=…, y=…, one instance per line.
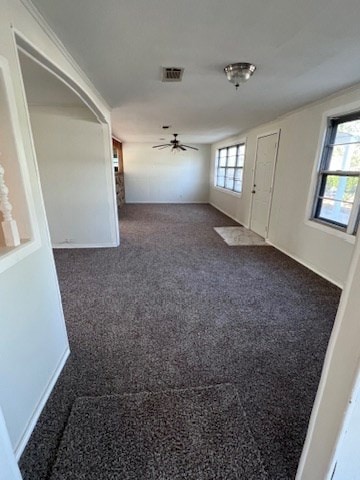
x=238, y=73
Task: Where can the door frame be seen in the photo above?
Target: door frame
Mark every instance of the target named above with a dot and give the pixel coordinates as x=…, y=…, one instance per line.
x=258, y=137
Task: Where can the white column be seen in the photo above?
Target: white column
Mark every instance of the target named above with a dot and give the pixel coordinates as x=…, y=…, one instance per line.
x=9, y=226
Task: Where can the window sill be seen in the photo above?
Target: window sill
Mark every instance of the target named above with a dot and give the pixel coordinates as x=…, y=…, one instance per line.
x=229, y=192
x=331, y=230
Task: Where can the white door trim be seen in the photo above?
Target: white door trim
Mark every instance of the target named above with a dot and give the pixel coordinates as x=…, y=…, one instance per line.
x=263, y=135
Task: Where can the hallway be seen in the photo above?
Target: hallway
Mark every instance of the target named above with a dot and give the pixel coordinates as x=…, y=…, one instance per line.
x=175, y=307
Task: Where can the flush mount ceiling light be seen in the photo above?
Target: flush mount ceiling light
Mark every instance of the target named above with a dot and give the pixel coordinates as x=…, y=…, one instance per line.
x=238, y=73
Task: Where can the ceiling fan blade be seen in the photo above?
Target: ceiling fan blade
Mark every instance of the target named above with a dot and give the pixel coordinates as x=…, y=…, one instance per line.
x=162, y=145
x=165, y=146
x=182, y=147
x=188, y=146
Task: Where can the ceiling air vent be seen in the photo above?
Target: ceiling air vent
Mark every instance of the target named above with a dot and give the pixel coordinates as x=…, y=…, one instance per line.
x=172, y=74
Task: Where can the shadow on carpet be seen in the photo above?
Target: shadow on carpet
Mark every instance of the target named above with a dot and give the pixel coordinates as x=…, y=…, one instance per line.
x=195, y=433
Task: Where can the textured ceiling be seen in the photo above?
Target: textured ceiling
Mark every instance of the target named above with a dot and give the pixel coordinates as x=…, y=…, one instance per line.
x=303, y=50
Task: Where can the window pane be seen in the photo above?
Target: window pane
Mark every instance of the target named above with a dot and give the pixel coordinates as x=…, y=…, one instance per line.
x=222, y=158
x=241, y=150
x=345, y=157
x=237, y=186
x=338, y=212
x=232, y=151
x=340, y=188
x=231, y=161
x=222, y=162
x=238, y=174
x=221, y=172
x=220, y=181
x=230, y=172
x=240, y=161
x=337, y=193
x=229, y=183
x=348, y=132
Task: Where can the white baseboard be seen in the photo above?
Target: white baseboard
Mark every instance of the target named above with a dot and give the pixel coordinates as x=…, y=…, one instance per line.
x=21, y=444
x=85, y=245
x=294, y=257
x=225, y=213
x=306, y=264
x=186, y=202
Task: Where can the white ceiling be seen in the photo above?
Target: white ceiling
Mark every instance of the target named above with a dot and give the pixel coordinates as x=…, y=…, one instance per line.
x=303, y=50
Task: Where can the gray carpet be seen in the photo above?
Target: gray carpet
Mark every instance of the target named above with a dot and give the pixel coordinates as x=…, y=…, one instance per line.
x=175, y=307
x=190, y=434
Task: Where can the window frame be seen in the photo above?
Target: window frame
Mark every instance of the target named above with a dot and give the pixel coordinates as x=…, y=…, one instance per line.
x=236, y=167
x=324, y=171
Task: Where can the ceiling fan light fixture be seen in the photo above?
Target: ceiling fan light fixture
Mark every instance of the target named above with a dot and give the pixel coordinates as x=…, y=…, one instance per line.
x=175, y=145
x=238, y=73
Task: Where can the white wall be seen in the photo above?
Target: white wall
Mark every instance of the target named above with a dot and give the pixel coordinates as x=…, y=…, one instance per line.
x=333, y=414
x=321, y=249
x=348, y=454
x=33, y=340
x=9, y=469
x=69, y=144
x=160, y=176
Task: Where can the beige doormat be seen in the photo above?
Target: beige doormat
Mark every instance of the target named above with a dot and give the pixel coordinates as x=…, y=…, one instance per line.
x=239, y=236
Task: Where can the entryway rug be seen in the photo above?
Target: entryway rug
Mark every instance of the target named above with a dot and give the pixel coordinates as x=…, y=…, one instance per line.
x=239, y=236
x=195, y=433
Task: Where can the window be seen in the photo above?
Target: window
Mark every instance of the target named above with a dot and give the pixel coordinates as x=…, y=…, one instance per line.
x=229, y=167
x=337, y=194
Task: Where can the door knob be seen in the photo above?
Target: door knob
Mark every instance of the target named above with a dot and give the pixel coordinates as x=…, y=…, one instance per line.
x=253, y=191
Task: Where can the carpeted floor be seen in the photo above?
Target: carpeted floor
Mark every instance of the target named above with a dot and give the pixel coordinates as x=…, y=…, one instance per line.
x=175, y=307
x=194, y=433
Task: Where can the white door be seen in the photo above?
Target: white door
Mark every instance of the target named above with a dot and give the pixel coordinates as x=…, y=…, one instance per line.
x=266, y=152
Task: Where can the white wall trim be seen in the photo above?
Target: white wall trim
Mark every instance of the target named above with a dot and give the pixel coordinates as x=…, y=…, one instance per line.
x=33, y=52
x=230, y=216
x=85, y=245
x=331, y=230
x=113, y=136
x=228, y=192
x=40, y=20
x=306, y=264
x=21, y=444
x=340, y=110
x=169, y=203
x=111, y=186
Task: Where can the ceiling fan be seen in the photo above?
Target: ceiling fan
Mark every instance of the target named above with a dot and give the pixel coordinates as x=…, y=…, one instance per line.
x=175, y=145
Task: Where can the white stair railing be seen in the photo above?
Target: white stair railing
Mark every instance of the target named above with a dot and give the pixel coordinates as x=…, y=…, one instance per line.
x=9, y=226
